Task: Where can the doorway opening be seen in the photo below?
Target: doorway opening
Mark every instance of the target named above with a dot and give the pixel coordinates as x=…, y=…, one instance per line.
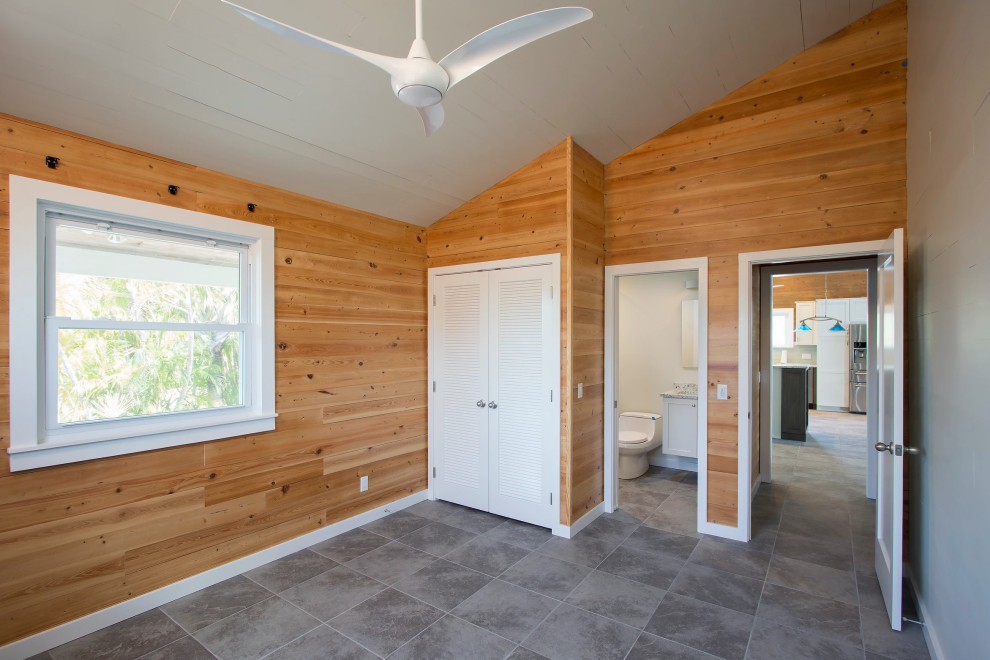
x=655, y=367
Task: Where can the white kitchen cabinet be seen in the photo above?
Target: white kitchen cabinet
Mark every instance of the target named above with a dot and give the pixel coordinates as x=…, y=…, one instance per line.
x=805, y=309
x=837, y=308
x=858, y=310
x=680, y=427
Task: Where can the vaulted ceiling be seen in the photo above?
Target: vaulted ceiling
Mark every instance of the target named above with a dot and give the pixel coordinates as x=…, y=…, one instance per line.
x=194, y=81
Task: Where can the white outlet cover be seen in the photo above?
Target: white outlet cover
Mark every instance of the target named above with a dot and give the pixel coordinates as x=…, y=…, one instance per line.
x=722, y=392
x=580, y=390
x=364, y=483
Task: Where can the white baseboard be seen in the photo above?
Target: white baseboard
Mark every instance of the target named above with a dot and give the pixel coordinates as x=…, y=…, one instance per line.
x=659, y=459
x=931, y=637
x=66, y=632
x=567, y=532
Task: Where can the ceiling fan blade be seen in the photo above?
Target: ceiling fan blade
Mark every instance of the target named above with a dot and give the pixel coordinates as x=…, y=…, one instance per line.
x=394, y=66
x=507, y=37
x=432, y=118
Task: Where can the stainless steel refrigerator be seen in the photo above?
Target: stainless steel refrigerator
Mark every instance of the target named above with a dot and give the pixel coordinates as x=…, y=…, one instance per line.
x=857, y=368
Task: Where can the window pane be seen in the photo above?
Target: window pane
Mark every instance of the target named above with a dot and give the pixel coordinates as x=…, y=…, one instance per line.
x=109, y=374
x=122, y=277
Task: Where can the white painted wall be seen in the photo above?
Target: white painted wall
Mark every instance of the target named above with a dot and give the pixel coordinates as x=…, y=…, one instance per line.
x=649, y=352
x=948, y=328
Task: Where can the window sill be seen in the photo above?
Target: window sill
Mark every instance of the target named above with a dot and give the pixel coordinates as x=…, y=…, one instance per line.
x=73, y=451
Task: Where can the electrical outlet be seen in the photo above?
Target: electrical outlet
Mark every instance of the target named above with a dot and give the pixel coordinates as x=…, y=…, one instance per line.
x=364, y=483
x=722, y=392
x=580, y=390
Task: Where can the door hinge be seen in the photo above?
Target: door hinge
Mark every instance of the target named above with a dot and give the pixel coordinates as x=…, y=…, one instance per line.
x=434, y=473
x=434, y=386
x=434, y=300
x=551, y=396
x=615, y=405
x=551, y=292
x=551, y=499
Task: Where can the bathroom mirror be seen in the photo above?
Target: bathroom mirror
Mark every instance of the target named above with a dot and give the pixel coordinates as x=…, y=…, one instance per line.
x=689, y=334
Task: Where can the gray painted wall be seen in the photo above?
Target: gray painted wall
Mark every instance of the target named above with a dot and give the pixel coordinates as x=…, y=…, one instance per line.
x=949, y=317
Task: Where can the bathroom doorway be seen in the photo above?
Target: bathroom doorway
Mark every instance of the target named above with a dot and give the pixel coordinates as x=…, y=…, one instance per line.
x=656, y=345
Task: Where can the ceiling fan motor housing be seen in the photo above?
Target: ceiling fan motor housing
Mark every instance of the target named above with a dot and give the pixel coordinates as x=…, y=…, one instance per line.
x=423, y=82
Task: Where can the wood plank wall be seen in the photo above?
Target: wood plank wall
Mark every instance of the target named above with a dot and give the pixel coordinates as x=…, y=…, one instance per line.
x=812, y=152
x=524, y=214
x=351, y=396
x=812, y=287
x=586, y=239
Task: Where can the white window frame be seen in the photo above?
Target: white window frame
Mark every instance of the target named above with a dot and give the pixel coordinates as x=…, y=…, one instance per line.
x=34, y=442
x=784, y=316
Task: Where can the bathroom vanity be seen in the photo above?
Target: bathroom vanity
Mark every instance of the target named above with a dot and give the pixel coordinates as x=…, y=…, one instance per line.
x=680, y=422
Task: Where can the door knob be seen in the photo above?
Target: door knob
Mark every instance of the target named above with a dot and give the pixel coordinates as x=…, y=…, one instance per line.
x=481, y=403
x=492, y=404
x=882, y=446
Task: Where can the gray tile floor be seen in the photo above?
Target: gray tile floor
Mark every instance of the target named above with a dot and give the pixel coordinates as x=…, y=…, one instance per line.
x=441, y=581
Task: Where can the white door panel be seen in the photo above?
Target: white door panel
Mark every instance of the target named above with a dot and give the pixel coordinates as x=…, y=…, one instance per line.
x=524, y=416
x=890, y=464
x=462, y=383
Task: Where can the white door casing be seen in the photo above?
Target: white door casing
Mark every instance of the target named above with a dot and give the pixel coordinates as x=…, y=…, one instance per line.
x=494, y=401
x=890, y=466
x=461, y=399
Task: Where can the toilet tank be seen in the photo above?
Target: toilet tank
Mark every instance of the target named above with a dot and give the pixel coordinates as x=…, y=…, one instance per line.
x=643, y=422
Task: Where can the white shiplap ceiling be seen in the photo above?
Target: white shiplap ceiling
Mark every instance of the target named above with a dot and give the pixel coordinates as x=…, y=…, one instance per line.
x=194, y=81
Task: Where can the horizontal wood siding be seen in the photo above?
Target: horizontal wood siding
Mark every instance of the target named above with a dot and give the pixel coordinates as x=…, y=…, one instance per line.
x=587, y=329
x=813, y=287
x=350, y=325
x=811, y=153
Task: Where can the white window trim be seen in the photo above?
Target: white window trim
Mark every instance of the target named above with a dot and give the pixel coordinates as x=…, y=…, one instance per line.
x=29, y=446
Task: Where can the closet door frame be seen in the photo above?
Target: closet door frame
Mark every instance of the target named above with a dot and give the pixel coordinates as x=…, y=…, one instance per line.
x=551, y=367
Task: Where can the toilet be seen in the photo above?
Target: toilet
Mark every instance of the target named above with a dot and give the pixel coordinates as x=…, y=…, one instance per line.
x=639, y=434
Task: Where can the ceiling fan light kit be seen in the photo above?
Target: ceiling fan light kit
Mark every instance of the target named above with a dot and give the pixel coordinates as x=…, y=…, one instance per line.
x=419, y=81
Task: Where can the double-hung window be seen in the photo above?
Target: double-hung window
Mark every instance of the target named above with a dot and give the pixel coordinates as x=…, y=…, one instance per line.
x=134, y=326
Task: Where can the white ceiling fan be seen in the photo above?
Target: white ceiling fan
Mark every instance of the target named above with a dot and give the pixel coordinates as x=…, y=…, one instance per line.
x=417, y=79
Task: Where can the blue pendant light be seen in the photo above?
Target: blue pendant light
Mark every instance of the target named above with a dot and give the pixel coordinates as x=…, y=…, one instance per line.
x=804, y=327
x=837, y=327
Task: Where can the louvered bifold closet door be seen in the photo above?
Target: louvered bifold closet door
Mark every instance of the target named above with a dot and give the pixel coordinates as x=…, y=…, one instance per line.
x=521, y=385
x=462, y=389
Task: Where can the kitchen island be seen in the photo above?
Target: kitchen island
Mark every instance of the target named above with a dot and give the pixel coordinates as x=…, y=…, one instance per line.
x=789, y=404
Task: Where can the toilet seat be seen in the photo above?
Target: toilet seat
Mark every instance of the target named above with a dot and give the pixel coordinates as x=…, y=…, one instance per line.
x=631, y=438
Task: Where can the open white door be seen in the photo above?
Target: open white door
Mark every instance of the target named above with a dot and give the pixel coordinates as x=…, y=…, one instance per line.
x=890, y=464
x=461, y=330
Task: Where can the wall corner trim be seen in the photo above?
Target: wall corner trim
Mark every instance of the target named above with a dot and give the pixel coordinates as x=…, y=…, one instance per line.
x=66, y=632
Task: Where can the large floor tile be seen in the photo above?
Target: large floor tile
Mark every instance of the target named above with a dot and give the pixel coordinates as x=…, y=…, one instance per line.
x=772, y=641
x=710, y=628
x=653, y=568
x=451, y=638
x=288, y=571
x=523, y=535
x=437, y=538
x=651, y=647
x=628, y=602
x=209, y=605
x=821, y=616
x=870, y=595
x=322, y=643
x=505, y=609
x=432, y=509
x=736, y=558
x=825, y=552
x=487, y=555
x=546, y=575
x=718, y=587
x=328, y=594
x=390, y=563
x=648, y=540
x=908, y=644
x=397, y=524
x=186, y=648
x=472, y=520
x=678, y=515
x=349, y=545
x=385, y=621
x=591, y=545
x=443, y=584
x=573, y=634
x=256, y=631
x=814, y=579
x=130, y=638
